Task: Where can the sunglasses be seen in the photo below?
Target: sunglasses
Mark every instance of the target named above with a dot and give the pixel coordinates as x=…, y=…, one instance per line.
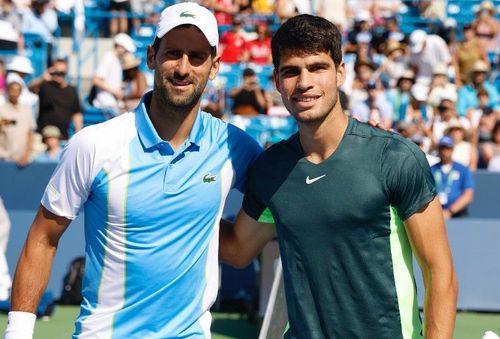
x=58, y=74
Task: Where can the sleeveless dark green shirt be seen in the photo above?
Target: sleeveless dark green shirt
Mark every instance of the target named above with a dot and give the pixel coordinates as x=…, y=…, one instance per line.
x=347, y=261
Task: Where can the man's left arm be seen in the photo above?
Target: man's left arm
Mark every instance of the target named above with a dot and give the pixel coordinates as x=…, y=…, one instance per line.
x=427, y=233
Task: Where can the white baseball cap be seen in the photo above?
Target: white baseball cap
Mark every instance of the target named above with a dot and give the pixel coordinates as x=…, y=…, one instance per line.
x=20, y=64
x=417, y=40
x=189, y=13
x=125, y=41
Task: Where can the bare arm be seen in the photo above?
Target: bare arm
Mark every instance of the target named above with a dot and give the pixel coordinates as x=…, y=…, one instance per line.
x=78, y=121
x=241, y=242
x=25, y=157
x=102, y=84
x=427, y=233
x=35, y=262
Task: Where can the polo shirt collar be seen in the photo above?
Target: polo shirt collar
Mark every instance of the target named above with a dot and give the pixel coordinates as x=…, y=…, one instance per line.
x=148, y=134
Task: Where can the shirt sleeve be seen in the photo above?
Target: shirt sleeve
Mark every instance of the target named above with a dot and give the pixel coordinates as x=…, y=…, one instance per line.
x=468, y=182
x=408, y=178
x=244, y=154
x=70, y=184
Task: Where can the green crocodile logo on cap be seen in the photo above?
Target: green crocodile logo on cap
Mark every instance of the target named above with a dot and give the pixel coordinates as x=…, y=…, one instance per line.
x=186, y=14
x=208, y=178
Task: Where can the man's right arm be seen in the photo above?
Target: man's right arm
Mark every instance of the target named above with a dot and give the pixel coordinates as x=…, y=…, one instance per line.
x=242, y=241
x=33, y=269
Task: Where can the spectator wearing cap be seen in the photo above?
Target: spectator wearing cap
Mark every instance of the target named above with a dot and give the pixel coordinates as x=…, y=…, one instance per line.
x=20, y=68
x=361, y=31
x=41, y=20
x=134, y=82
x=487, y=28
x=446, y=116
x=454, y=182
x=400, y=95
x=467, y=95
x=258, y=51
x=249, y=98
x=467, y=53
x=59, y=100
x=464, y=151
x=375, y=106
x=51, y=137
x=395, y=64
x=427, y=51
x=440, y=84
x=16, y=125
x=109, y=75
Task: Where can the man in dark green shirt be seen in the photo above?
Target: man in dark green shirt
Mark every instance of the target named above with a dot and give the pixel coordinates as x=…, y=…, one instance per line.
x=350, y=205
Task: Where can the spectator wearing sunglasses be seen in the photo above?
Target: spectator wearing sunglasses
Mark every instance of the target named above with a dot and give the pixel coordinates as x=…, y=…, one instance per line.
x=59, y=101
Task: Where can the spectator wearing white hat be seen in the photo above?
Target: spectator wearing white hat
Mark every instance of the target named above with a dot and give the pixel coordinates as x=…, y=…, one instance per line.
x=16, y=125
x=108, y=76
x=427, y=51
x=467, y=95
x=440, y=83
x=20, y=67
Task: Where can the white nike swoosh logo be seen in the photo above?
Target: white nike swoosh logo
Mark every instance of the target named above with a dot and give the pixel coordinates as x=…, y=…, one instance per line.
x=310, y=181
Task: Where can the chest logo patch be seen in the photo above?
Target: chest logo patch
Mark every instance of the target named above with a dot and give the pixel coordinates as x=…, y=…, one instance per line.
x=312, y=180
x=208, y=178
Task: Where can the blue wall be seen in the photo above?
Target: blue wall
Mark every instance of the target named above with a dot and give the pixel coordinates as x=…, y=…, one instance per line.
x=474, y=240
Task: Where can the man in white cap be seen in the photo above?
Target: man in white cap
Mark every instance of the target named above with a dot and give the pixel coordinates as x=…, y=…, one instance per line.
x=108, y=76
x=427, y=51
x=153, y=184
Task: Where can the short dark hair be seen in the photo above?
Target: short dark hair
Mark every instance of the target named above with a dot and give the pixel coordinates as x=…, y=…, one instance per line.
x=307, y=34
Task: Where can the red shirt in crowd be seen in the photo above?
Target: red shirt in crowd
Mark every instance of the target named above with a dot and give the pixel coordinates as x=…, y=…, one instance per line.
x=259, y=50
x=232, y=46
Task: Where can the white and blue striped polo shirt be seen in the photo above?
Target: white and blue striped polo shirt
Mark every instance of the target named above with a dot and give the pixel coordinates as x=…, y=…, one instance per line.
x=151, y=222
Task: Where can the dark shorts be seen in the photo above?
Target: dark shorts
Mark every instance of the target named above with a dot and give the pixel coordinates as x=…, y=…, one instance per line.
x=119, y=6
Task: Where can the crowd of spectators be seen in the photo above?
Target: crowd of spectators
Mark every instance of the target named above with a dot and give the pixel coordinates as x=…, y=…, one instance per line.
x=438, y=79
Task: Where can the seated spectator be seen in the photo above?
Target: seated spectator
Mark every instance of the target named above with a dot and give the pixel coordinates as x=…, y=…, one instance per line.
x=59, y=101
x=51, y=137
x=431, y=9
x=440, y=85
x=361, y=31
x=454, y=182
x=464, y=151
x=487, y=28
x=16, y=125
x=447, y=116
x=259, y=50
x=119, y=20
x=11, y=37
x=41, y=20
x=275, y=105
x=490, y=151
x=364, y=71
x=232, y=42
x=400, y=96
x=467, y=95
x=108, y=76
x=427, y=51
x=375, y=107
x=20, y=67
x=249, y=98
x=417, y=111
x=134, y=82
x=336, y=14
x=467, y=53
x=286, y=9
x=395, y=64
